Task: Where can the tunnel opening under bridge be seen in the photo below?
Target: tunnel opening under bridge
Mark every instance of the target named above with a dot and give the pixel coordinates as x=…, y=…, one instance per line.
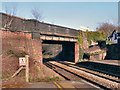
x=60, y=51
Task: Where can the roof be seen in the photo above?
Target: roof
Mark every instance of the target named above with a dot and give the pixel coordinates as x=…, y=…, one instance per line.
x=112, y=34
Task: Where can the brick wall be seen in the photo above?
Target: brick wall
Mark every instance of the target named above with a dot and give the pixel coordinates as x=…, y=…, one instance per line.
x=76, y=52
x=98, y=57
x=20, y=42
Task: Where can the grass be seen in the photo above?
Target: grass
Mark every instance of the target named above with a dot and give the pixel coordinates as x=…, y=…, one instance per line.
x=11, y=52
x=21, y=74
x=47, y=79
x=5, y=75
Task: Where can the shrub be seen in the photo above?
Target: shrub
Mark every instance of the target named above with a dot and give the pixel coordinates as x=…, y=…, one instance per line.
x=80, y=38
x=22, y=54
x=10, y=52
x=90, y=35
x=95, y=36
x=81, y=53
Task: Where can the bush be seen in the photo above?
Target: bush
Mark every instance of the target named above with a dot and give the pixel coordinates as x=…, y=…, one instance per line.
x=22, y=54
x=80, y=38
x=81, y=53
x=10, y=52
x=95, y=36
x=90, y=35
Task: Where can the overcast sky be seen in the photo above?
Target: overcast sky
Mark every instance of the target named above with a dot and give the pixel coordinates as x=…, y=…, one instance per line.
x=69, y=14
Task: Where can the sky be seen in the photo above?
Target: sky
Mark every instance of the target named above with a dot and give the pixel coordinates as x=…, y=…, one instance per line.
x=69, y=14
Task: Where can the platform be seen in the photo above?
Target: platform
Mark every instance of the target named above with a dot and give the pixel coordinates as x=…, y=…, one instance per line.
x=63, y=85
x=111, y=62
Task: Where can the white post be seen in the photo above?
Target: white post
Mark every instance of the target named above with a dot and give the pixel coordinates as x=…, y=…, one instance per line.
x=27, y=68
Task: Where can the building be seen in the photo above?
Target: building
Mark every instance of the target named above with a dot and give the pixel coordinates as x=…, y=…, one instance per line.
x=114, y=37
x=83, y=28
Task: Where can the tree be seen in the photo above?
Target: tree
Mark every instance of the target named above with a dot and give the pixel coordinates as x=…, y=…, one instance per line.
x=8, y=22
x=108, y=28
x=11, y=11
x=36, y=14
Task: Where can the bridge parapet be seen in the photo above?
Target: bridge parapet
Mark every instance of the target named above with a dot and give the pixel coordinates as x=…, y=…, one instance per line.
x=29, y=25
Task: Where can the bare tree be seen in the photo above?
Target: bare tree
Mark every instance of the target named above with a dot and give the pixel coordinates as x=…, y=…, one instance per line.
x=108, y=28
x=11, y=10
x=36, y=14
x=9, y=20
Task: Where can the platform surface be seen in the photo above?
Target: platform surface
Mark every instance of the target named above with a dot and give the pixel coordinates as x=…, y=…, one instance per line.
x=112, y=62
x=63, y=85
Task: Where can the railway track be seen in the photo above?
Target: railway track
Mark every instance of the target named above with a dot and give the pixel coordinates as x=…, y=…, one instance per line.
x=109, y=76
x=71, y=72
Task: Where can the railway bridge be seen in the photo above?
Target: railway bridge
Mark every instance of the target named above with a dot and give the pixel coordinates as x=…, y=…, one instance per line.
x=45, y=33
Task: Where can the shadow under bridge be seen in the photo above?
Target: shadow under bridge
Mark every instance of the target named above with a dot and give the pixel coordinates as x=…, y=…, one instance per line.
x=67, y=53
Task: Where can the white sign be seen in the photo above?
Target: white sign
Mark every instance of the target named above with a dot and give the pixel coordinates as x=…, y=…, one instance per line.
x=22, y=61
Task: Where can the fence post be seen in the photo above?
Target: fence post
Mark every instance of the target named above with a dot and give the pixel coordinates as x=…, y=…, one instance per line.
x=27, y=68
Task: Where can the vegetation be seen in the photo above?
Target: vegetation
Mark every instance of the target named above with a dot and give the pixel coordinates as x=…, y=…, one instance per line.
x=47, y=79
x=97, y=53
x=81, y=53
x=108, y=28
x=87, y=55
x=47, y=53
x=95, y=36
x=5, y=75
x=10, y=52
x=80, y=38
x=109, y=42
x=91, y=36
x=36, y=14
